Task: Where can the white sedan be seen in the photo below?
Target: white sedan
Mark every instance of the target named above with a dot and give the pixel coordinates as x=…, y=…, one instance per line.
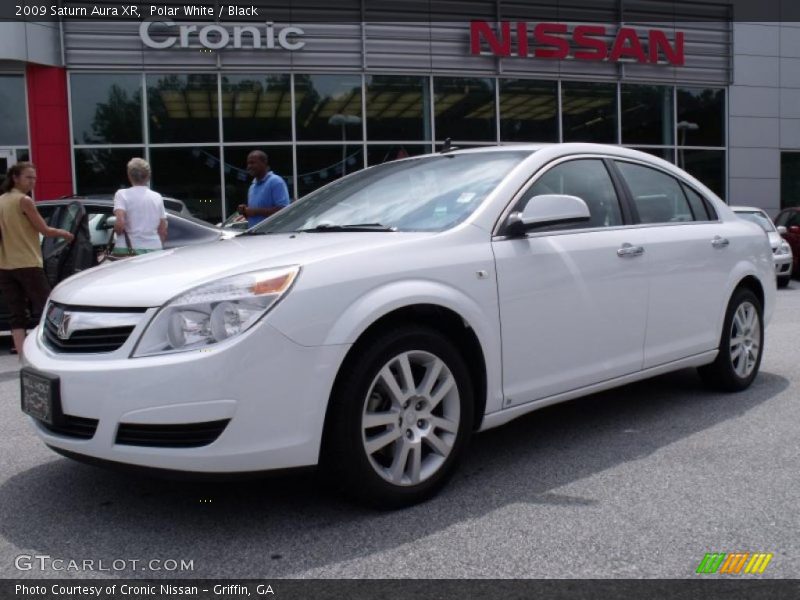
x=379, y=321
x=781, y=250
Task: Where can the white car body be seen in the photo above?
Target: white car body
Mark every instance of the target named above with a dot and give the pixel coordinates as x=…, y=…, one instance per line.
x=781, y=250
x=556, y=314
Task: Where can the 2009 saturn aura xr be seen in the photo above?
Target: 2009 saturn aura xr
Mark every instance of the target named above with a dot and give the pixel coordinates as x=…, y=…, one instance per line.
x=372, y=326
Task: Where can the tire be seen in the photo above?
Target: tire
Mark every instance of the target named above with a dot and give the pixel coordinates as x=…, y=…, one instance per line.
x=741, y=345
x=784, y=281
x=389, y=443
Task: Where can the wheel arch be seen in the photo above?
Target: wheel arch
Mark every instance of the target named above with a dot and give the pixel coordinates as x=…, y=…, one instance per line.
x=439, y=318
x=752, y=283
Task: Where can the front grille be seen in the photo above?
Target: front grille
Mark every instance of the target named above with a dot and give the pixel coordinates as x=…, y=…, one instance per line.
x=87, y=341
x=88, y=329
x=188, y=435
x=74, y=427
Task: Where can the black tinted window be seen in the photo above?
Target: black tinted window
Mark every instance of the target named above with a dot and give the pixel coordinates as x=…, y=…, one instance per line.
x=658, y=197
x=702, y=211
x=587, y=179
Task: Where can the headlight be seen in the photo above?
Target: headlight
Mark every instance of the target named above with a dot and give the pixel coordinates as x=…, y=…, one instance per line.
x=784, y=248
x=214, y=312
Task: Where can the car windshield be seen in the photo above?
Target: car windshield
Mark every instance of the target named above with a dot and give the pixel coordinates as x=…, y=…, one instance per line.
x=757, y=217
x=431, y=193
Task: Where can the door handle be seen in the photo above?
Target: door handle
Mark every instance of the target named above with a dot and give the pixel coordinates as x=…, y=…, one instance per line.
x=629, y=250
x=719, y=242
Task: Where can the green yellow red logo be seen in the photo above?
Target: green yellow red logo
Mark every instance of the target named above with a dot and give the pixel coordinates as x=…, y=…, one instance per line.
x=735, y=563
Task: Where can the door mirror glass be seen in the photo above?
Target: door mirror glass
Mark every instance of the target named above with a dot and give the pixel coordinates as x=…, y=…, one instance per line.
x=548, y=209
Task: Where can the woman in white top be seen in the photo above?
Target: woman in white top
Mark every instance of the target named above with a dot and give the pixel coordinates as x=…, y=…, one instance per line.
x=140, y=213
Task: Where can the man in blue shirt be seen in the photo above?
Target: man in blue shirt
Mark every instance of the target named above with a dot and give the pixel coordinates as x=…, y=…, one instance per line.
x=268, y=192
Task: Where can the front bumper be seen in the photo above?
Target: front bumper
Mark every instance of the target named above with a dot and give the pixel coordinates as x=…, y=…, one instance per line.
x=272, y=392
x=783, y=264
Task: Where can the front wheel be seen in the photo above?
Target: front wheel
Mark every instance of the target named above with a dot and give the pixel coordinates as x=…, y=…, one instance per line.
x=400, y=417
x=741, y=345
x=784, y=281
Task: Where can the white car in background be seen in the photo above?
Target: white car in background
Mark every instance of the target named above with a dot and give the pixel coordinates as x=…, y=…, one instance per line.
x=376, y=323
x=781, y=250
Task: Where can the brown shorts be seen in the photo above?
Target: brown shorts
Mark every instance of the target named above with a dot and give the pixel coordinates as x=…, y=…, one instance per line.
x=20, y=286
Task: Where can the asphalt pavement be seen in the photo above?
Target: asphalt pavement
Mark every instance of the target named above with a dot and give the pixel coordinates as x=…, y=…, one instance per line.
x=638, y=482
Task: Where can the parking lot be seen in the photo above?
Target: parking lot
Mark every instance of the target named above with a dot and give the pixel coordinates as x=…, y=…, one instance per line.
x=640, y=481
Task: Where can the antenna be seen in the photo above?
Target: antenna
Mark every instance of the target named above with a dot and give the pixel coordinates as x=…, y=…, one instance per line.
x=448, y=146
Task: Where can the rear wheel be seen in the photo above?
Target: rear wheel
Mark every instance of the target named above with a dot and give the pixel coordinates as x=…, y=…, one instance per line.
x=741, y=345
x=401, y=416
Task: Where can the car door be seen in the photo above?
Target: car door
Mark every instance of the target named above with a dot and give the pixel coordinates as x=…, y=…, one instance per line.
x=61, y=258
x=690, y=259
x=572, y=299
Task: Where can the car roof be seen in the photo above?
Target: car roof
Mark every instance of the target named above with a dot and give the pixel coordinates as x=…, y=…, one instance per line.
x=101, y=198
x=106, y=201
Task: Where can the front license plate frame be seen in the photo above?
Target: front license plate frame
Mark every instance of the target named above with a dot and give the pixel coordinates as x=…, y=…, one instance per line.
x=40, y=395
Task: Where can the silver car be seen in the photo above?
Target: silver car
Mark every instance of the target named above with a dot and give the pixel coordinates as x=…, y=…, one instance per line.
x=781, y=251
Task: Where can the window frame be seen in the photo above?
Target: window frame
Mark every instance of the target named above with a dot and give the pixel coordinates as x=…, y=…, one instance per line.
x=681, y=183
x=499, y=229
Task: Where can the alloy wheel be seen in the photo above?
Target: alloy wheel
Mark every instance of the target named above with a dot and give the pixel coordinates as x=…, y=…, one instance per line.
x=745, y=339
x=411, y=418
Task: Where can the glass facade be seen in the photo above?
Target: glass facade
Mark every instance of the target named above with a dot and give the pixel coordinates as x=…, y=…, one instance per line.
x=589, y=112
x=182, y=108
x=197, y=129
x=106, y=108
x=256, y=107
x=13, y=121
x=103, y=170
x=528, y=110
x=464, y=108
x=647, y=114
x=398, y=108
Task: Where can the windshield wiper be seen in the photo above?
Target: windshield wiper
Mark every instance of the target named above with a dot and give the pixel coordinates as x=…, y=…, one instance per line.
x=248, y=232
x=325, y=227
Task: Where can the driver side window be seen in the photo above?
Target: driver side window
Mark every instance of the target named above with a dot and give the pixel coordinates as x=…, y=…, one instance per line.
x=587, y=179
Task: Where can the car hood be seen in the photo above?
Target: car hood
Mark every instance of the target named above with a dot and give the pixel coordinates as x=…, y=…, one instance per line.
x=152, y=279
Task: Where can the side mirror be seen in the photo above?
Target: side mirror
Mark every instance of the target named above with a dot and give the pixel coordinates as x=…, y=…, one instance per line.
x=781, y=229
x=109, y=223
x=547, y=209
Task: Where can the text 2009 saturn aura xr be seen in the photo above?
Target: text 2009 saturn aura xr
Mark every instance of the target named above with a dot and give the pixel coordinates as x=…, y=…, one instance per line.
x=372, y=326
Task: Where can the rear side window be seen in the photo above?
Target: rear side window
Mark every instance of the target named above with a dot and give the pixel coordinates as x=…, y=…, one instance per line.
x=658, y=197
x=587, y=179
x=702, y=211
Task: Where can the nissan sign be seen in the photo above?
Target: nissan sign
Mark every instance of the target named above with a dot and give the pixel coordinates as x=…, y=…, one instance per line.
x=582, y=42
x=216, y=37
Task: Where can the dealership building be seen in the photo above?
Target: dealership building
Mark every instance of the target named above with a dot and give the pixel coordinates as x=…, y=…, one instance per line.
x=374, y=81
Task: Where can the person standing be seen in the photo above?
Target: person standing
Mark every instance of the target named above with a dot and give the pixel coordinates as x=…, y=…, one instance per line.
x=140, y=213
x=268, y=192
x=22, y=278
